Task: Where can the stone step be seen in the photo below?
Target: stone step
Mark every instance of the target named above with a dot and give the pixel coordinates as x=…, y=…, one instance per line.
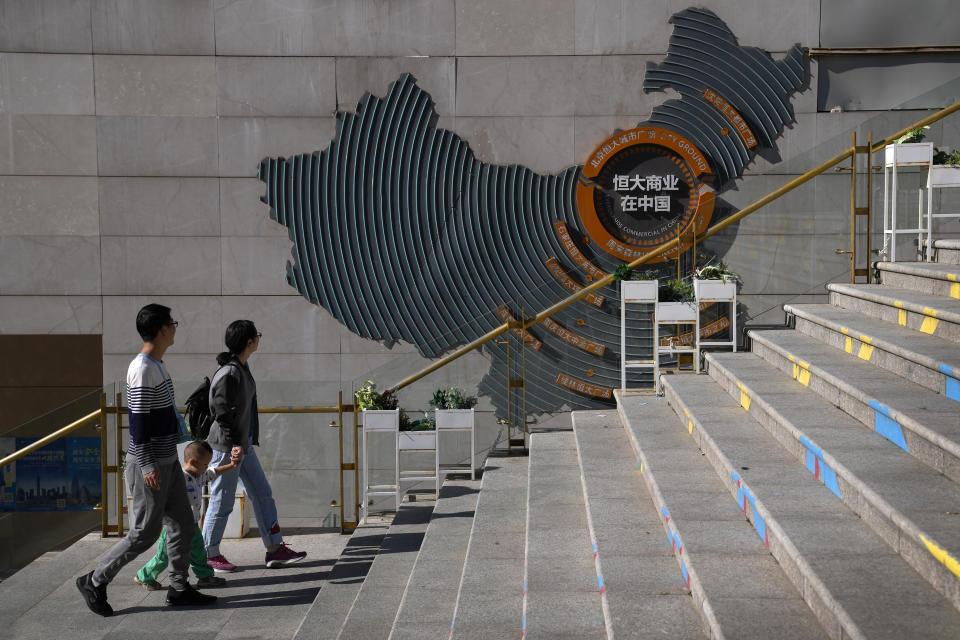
x=738, y=587
x=426, y=608
x=855, y=584
x=927, y=360
x=332, y=604
x=905, y=502
x=490, y=597
x=561, y=594
x=930, y=314
x=919, y=421
x=643, y=592
x=375, y=608
x=947, y=251
x=924, y=277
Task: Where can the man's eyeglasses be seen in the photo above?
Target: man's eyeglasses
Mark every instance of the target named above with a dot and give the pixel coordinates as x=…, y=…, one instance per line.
x=259, y=335
x=173, y=323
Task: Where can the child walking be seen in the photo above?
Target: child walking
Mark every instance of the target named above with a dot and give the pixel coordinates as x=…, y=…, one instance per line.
x=196, y=473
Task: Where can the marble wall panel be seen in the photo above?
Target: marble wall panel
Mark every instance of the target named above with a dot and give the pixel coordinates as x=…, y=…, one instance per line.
x=155, y=85
x=186, y=369
x=241, y=211
x=543, y=145
x=290, y=324
x=50, y=26
x=135, y=265
x=51, y=314
x=298, y=441
x=244, y=142
x=200, y=330
x=497, y=27
x=553, y=86
x=276, y=86
x=356, y=76
x=159, y=206
x=321, y=370
x=166, y=27
x=40, y=83
x=157, y=146
x=303, y=492
x=256, y=266
x=47, y=145
x=605, y=27
x=49, y=265
x=48, y=206
x=335, y=27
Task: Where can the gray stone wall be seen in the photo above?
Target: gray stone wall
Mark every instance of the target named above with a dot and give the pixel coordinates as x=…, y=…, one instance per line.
x=130, y=132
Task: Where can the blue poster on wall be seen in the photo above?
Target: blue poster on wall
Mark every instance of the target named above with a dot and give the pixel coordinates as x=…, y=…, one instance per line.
x=41, y=477
x=83, y=473
x=8, y=475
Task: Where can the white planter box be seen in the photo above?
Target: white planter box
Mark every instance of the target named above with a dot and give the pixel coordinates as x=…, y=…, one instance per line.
x=910, y=154
x=417, y=440
x=676, y=312
x=381, y=420
x=638, y=290
x=715, y=289
x=945, y=175
x=454, y=418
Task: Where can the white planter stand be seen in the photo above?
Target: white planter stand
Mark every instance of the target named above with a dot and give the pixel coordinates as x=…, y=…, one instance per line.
x=457, y=420
x=915, y=154
x=388, y=422
x=941, y=176
x=678, y=313
x=717, y=291
x=637, y=292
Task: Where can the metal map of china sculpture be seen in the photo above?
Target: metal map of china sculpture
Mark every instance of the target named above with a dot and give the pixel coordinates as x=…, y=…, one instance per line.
x=402, y=234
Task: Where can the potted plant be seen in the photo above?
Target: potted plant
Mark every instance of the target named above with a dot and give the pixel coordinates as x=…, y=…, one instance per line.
x=380, y=412
x=945, y=171
x=636, y=285
x=676, y=302
x=909, y=150
x=715, y=282
x=452, y=409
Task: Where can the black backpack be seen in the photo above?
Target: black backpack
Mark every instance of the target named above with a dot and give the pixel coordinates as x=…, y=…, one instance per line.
x=199, y=417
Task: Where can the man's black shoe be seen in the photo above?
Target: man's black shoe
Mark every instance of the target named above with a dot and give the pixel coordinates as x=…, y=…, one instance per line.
x=95, y=597
x=189, y=597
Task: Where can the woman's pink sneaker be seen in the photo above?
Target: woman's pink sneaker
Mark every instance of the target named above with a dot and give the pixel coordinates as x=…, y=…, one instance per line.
x=283, y=555
x=221, y=564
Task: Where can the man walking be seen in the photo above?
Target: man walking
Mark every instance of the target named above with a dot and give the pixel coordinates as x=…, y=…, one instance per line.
x=153, y=476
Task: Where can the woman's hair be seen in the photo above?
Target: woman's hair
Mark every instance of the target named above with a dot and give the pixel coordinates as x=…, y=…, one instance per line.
x=239, y=332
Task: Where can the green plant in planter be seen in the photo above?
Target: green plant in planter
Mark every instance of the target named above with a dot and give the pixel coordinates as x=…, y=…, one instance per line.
x=623, y=272
x=452, y=398
x=914, y=135
x=945, y=156
x=675, y=291
x=717, y=271
x=367, y=397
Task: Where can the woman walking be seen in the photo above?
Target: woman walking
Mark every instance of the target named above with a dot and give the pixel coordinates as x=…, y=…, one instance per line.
x=235, y=429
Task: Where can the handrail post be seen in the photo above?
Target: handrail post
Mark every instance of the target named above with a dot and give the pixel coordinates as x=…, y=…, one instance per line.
x=104, y=501
x=119, y=447
x=853, y=207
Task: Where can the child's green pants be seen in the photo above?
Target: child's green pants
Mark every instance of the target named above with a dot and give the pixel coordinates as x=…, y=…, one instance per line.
x=198, y=558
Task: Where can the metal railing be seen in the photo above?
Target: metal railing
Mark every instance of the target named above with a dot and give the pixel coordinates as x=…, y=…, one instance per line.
x=117, y=410
x=526, y=323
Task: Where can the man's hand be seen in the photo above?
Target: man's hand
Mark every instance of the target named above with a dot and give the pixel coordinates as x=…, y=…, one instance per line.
x=236, y=455
x=152, y=479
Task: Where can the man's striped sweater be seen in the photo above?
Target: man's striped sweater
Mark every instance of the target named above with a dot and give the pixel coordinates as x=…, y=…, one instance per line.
x=153, y=423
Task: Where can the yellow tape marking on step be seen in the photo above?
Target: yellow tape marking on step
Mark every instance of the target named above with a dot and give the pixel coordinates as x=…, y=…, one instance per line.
x=744, y=397
x=955, y=290
x=801, y=371
x=930, y=322
x=689, y=422
x=952, y=277
x=941, y=554
x=866, y=349
x=847, y=342
x=901, y=315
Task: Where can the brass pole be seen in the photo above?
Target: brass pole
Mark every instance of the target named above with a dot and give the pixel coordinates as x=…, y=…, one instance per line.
x=340, y=436
x=59, y=433
x=853, y=207
x=869, y=205
x=356, y=465
x=104, y=516
x=659, y=251
x=121, y=499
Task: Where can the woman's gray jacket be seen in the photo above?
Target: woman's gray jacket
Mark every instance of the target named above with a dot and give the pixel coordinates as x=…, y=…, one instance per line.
x=233, y=404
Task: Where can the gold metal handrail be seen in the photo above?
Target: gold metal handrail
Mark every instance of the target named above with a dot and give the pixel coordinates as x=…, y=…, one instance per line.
x=720, y=226
x=59, y=433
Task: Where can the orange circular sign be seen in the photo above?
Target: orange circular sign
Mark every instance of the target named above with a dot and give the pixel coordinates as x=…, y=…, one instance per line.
x=640, y=189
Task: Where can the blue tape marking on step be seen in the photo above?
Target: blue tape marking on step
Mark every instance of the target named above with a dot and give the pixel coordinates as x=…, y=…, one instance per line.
x=830, y=479
x=600, y=582
x=887, y=426
x=683, y=572
x=827, y=474
x=952, y=386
